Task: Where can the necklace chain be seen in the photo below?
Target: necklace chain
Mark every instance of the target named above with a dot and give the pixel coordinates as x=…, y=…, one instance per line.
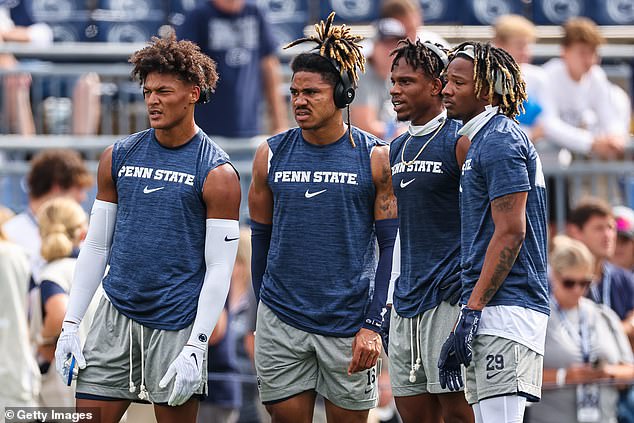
x=406, y=163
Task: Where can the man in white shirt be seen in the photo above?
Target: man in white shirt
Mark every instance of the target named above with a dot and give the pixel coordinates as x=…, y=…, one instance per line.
x=583, y=115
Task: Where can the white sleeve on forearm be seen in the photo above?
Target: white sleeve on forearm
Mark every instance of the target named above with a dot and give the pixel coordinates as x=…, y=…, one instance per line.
x=92, y=260
x=221, y=247
x=396, y=267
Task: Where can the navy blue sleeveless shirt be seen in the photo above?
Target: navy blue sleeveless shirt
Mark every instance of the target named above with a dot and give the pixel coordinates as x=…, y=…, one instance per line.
x=427, y=193
x=157, y=261
x=322, y=260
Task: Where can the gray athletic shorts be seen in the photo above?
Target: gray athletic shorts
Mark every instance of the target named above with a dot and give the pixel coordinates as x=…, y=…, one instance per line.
x=290, y=361
x=433, y=329
x=107, y=353
x=501, y=366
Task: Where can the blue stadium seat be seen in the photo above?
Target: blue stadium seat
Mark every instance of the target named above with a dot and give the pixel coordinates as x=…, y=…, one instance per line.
x=183, y=6
x=288, y=17
x=58, y=10
x=485, y=12
x=613, y=12
x=556, y=12
x=136, y=31
x=131, y=9
x=440, y=11
x=73, y=31
x=350, y=11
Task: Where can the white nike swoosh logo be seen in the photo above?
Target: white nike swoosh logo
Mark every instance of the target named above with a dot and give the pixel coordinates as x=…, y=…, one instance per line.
x=147, y=190
x=404, y=184
x=312, y=194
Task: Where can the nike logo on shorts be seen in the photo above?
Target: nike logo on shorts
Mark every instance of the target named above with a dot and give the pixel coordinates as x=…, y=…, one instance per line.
x=404, y=184
x=148, y=190
x=313, y=194
x=492, y=375
x=227, y=239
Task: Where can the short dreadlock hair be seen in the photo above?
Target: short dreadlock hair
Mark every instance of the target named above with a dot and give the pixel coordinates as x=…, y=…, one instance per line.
x=339, y=52
x=181, y=58
x=338, y=46
x=420, y=56
x=495, y=70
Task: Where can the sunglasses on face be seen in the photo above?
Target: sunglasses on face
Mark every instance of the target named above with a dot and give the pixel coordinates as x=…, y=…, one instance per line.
x=570, y=283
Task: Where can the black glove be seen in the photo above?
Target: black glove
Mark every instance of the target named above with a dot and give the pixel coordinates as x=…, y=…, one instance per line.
x=449, y=371
x=451, y=289
x=385, y=329
x=465, y=331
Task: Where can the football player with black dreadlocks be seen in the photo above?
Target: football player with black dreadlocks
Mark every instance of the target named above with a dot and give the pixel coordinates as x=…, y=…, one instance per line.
x=501, y=329
x=320, y=199
x=426, y=163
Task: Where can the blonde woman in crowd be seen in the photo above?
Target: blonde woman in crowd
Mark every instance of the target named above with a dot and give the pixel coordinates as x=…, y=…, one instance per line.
x=63, y=225
x=18, y=370
x=587, y=352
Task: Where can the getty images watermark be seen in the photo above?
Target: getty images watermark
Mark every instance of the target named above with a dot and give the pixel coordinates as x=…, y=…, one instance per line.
x=50, y=414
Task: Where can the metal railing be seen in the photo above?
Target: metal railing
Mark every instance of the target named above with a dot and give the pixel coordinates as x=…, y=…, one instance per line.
x=611, y=180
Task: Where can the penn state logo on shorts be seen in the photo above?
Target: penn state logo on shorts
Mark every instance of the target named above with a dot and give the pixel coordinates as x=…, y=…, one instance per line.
x=558, y=11
x=352, y=9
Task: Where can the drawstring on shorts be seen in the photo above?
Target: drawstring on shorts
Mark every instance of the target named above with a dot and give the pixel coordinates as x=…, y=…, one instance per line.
x=143, y=393
x=415, y=344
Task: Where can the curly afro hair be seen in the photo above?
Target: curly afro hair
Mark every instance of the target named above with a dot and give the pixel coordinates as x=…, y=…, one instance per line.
x=182, y=58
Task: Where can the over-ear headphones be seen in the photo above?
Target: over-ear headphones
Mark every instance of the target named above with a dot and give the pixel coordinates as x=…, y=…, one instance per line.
x=205, y=96
x=343, y=92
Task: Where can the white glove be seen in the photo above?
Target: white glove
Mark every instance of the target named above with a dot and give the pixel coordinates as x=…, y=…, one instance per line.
x=187, y=372
x=69, y=344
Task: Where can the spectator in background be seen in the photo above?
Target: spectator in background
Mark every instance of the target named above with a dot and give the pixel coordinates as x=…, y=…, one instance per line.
x=63, y=225
x=53, y=173
x=624, y=250
x=592, y=223
x=243, y=308
x=372, y=109
x=410, y=14
x=583, y=115
x=224, y=396
x=16, y=98
x=585, y=344
x=18, y=370
x=238, y=37
x=17, y=25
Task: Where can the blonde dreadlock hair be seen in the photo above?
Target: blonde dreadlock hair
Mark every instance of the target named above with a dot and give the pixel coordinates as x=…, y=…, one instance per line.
x=494, y=69
x=342, y=52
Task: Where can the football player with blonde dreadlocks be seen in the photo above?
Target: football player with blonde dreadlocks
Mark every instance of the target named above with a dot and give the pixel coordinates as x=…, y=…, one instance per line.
x=501, y=329
x=320, y=199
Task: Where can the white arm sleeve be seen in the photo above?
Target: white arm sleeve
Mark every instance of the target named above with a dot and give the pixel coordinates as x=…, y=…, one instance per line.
x=92, y=260
x=396, y=267
x=221, y=247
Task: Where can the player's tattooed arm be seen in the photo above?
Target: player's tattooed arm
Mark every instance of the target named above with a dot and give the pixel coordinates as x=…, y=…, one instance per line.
x=385, y=202
x=509, y=218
